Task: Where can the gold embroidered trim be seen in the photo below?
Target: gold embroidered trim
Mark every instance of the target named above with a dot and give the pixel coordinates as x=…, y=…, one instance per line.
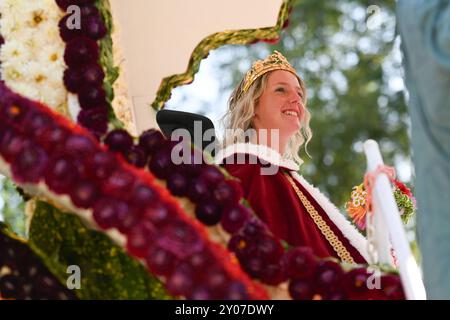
x=334, y=241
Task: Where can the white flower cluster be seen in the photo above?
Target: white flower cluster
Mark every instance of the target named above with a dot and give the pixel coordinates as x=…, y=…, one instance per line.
x=359, y=196
x=122, y=103
x=32, y=58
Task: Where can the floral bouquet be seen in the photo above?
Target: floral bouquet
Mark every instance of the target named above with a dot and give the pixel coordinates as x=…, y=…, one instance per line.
x=357, y=209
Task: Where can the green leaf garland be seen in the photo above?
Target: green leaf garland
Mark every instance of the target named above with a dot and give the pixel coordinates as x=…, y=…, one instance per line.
x=107, y=272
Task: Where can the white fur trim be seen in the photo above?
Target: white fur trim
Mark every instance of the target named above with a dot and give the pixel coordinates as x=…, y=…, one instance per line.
x=356, y=239
x=263, y=152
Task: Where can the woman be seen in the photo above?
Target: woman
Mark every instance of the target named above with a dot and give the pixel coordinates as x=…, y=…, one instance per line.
x=268, y=111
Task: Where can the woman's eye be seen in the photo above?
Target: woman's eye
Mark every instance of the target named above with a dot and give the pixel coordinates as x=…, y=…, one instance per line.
x=280, y=90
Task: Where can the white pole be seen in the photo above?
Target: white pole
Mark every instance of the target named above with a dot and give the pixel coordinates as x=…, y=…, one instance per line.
x=381, y=235
x=384, y=200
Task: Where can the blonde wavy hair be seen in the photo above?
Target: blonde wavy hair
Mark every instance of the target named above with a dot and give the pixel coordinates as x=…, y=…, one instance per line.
x=241, y=110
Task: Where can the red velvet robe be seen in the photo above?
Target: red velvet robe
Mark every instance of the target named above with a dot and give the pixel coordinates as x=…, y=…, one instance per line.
x=275, y=201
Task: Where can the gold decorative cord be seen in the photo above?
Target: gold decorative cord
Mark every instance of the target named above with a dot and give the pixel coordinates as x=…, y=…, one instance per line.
x=334, y=241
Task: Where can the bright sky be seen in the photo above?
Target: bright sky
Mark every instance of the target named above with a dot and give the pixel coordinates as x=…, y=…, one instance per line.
x=203, y=92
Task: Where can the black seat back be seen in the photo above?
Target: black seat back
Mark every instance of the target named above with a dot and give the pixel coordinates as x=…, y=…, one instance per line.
x=170, y=120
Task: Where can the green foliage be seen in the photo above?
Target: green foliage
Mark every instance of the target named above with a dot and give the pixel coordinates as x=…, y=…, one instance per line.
x=404, y=203
x=12, y=207
x=106, y=271
x=107, y=60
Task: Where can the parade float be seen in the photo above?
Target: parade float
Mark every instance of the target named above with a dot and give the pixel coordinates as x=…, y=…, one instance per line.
x=102, y=192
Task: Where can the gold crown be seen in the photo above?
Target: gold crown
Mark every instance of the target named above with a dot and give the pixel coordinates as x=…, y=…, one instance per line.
x=275, y=61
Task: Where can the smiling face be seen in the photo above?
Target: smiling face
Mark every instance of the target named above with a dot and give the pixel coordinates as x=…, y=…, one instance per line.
x=280, y=105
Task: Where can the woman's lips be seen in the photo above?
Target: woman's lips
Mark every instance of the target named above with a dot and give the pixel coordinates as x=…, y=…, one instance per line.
x=291, y=113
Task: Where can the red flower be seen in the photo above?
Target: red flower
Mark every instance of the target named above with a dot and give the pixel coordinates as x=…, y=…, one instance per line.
x=328, y=277
x=300, y=262
x=355, y=284
x=404, y=189
x=392, y=287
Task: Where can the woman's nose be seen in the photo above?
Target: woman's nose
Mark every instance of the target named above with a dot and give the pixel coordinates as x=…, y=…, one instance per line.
x=295, y=98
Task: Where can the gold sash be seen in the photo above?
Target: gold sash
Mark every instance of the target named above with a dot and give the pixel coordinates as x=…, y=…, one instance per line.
x=331, y=237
